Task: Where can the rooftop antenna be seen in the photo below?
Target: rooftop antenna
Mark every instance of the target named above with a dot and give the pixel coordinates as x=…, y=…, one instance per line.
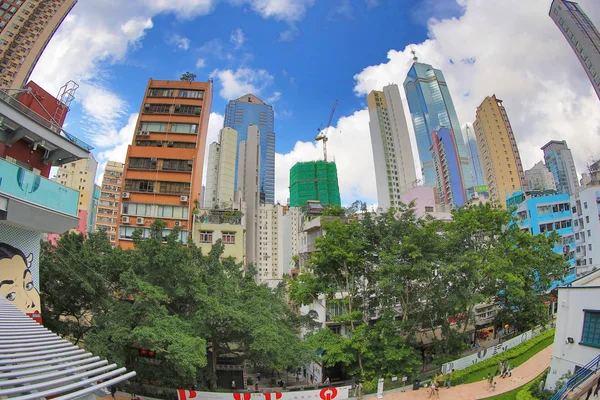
x=412, y=50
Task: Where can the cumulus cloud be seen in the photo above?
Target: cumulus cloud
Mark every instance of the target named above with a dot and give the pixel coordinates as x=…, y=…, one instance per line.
x=201, y=63
x=349, y=145
x=180, y=42
x=242, y=81
x=282, y=10
x=119, y=142
x=237, y=37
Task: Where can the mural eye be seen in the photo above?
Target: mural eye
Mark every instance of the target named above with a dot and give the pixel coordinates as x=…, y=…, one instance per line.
x=12, y=296
x=29, y=286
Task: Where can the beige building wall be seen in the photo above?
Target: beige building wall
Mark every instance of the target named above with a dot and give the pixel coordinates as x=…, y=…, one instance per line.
x=226, y=170
x=211, y=225
x=499, y=153
x=108, y=204
x=80, y=175
x=27, y=28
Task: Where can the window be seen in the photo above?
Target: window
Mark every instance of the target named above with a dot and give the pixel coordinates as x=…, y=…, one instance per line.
x=188, y=110
x=428, y=209
x=180, y=188
x=153, y=127
x=206, y=236
x=156, y=92
x=589, y=232
x=228, y=237
x=177, y=165
x=587, y=219
x=142, y=163
x=585, y=205
x=590, y=335
x=184, y=128
x=589, y=246
x=157, y=108
x=139, y=186
x=192, y=94
x=137, y=209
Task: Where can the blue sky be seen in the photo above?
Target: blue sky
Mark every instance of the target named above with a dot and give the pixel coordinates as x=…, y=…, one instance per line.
x=301, y=55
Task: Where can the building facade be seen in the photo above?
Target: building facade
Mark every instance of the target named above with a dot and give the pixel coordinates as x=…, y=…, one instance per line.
x=448, y=171
x=95, y=200
x=212, y=224
x=559, y=161
x=26, y=28
x=471, y=140
x=290, y=236
x=162, y=177
x=586, y=214
x=427, y=202
x=499, y=152
x=269, y=261
x=546, y=212
x=577, y=337
x=592, y=176
x=539, y=178
x=392, y=152
x=80, y=175
x=239, y=115
x=314, y=181
x=431, y=108
x=220, y=177
x=582, y=35
x=30, y=203
x=109, y=202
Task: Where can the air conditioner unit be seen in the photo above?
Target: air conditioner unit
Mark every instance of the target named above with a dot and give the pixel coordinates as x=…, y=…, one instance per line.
x=159, y=143
x=177, y=107
x=54, y=128
x=144, y=133
x=154, y=159
x=125, y=220
x=147, y=106
x=183, y=199
x=139, y=221
x=170, y=144
x=197, y=112
x=125, y=195
x=190, y=162
x=177, y=223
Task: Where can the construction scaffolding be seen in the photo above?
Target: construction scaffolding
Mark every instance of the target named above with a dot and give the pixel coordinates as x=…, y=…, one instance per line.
x=314, y=181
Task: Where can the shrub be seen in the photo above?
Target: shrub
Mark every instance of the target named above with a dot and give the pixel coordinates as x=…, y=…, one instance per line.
x=531, y=390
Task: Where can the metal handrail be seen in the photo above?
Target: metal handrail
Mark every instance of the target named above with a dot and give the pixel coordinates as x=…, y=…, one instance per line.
x=14, y=103
x=580, y=376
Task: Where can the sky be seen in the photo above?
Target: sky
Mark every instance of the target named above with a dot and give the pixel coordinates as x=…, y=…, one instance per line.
x=302, y=55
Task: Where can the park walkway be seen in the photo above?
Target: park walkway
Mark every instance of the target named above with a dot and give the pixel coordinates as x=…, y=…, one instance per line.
x=522, y=374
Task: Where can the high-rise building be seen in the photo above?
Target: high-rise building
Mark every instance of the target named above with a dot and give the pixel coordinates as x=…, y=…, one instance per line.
x=239, y=115
x=471, y=140
x=26, y=28
x=95, y=201
x=108, y=204
x=539, y=178
x=448, y=171
x=592, y=177
x=559, y=161
x=80, y=175
x=499, y=152
x=220, y=176
x=582, y=35
x=162, y=178
x=316, y=181
x=584, y=205
x=269, y=262
x=431, y=108
x=30, y=203
x=392, y=153
x=249, y=162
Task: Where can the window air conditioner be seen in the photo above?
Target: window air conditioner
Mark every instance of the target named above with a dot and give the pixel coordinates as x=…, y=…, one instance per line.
x=190, y=162
x=177, y=223
x=125, y=195
x=125, y=220
x=139, y=221
x=183, y=199
x=170, y=144
x=154, y=159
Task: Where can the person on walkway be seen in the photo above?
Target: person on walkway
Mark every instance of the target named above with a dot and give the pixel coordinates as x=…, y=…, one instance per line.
x=434, y=389
x=327, y=381
x=258, y=376
x=490, y=380
x=233, y=385
x=256, y=387
x=134, y=396
x=359, y=387
x=113, y=390
x=449, y=376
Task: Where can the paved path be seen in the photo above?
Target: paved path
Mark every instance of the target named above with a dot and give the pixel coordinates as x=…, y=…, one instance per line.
x=522, y=374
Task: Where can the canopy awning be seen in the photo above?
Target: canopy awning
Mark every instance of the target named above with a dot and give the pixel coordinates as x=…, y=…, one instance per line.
x=36, y=363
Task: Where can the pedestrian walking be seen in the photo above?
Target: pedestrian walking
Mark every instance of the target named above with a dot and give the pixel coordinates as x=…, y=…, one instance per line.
x=490, y=380
x=256, y=387
x=360, y=387
x=449, y=377
x=327, y=381
x=113, y=391
x=434, y=389
x=258, y=376
x=233, y=385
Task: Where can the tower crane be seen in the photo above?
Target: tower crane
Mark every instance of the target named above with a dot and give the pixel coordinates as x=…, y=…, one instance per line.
x=323, y=133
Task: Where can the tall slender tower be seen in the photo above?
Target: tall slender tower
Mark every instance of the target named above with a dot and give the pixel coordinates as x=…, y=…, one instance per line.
x=239, y=115
x=221, y=172
x=162, y=178
x=392, y=153
x=473, y=147
x=450, y=189
x=582, y=35
x=26, y=28
x=431, y=108
x=108, y=203
x=559, y=161
x=499, y=151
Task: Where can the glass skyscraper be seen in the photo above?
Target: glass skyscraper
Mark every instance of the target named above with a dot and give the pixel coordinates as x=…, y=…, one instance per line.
x=559, y=161
x=431, y=108
x=473, y=147
x=239, y=114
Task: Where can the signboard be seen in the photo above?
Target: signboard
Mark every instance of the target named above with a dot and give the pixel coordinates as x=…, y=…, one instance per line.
x=332, y=393
x=484, y=354
x=380, y=388
x=481, y=189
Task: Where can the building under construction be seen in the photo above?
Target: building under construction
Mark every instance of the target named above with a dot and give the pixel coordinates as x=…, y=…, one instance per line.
x=316, y=181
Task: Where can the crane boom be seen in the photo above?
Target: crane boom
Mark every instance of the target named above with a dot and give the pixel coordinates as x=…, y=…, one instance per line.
x=323, y=134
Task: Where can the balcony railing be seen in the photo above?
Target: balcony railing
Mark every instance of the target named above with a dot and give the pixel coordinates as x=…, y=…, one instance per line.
x=218, y=217
x=580, y=376
x=23, y=184
x=6, y=98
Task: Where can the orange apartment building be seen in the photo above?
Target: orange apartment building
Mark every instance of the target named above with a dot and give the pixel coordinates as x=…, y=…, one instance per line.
x=162, y=178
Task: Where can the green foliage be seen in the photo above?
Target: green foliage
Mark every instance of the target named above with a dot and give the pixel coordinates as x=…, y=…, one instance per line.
x=531, y=391
x=187, y=307
x=188, y=77
x=474, y=372
x=334, y=211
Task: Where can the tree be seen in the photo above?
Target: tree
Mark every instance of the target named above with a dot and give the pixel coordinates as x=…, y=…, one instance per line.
x=188, y=77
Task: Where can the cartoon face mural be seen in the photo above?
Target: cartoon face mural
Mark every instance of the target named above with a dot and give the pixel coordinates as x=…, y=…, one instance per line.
x=16, y=281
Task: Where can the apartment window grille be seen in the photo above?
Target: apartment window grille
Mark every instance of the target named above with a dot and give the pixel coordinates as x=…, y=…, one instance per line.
x=590, y=335
x=191, y=94
x=184, y=128
x=206, y=236
x=158, y=92
x=228, y=237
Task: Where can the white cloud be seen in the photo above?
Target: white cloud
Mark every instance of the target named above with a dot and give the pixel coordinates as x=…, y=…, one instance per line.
x=215, y=124
x=343, y=9
x=281, y=10
x=120, y=141
x=201, y=63
x=349, y=145
x=180, y=42
x=237, y=37
x=271, y=100
x=289, y=34
x=242, y=81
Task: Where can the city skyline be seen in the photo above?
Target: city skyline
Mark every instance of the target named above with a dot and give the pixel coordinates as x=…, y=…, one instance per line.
x=467, y=68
